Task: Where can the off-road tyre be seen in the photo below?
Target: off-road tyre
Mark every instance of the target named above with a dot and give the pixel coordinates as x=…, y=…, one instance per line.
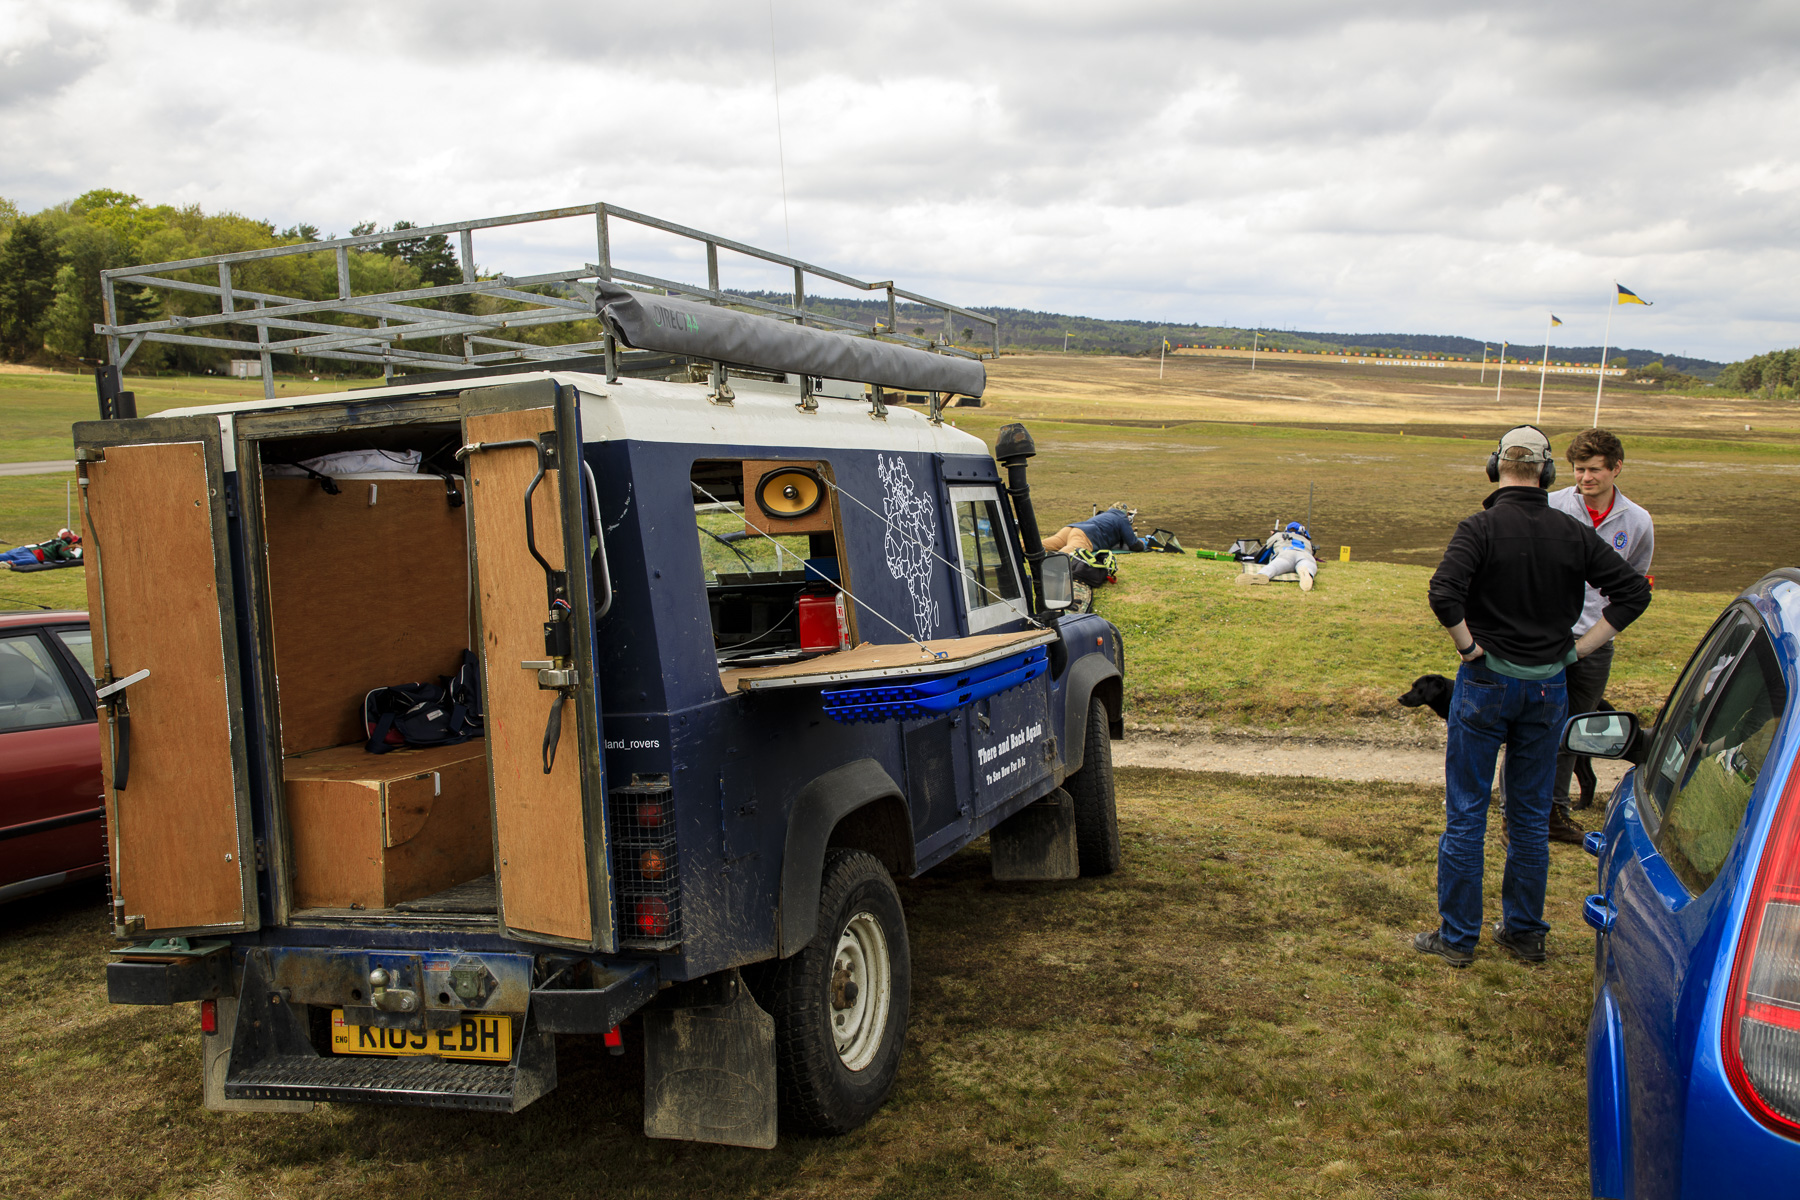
x=1096, y=813
x=819, y=1091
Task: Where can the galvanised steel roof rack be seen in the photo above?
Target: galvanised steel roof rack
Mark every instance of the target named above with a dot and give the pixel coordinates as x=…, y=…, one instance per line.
x=378, y=327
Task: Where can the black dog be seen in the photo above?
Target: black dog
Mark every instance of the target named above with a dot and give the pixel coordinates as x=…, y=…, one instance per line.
x=1433, y=692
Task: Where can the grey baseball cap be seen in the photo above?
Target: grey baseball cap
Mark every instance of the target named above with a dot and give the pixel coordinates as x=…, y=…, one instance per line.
x=1528, y=438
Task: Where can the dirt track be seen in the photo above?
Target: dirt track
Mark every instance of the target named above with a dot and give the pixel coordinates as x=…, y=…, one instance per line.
x=1372, y=760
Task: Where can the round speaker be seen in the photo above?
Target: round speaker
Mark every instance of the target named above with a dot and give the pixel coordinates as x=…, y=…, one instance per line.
x=789, y=492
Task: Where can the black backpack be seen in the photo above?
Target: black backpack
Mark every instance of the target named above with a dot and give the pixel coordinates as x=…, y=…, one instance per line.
x=425, y=714
x=1095, y=568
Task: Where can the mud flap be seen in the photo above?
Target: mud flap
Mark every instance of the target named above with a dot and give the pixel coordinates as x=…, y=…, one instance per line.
x=215, y=1061
x=1037, y=843
x=709, y=1066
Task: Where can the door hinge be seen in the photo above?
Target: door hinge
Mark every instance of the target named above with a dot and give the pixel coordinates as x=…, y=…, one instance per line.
x=262, y=855
x=88, y=454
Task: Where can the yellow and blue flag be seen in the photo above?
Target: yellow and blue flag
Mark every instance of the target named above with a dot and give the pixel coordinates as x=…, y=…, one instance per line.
x=1627, y=296
x=1555, y=320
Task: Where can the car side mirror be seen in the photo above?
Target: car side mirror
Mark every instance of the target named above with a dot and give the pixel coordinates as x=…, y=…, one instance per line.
x=1056, y=575
x=1604, y=735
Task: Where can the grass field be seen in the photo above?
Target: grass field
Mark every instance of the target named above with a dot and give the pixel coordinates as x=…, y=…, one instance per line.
x=1237, y=1013
x=1331, y=660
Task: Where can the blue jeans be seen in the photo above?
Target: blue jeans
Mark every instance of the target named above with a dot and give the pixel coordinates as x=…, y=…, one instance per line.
x=1489, y=710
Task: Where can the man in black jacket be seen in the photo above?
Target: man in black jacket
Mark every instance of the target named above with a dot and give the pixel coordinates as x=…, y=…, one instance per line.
x=1510, y=587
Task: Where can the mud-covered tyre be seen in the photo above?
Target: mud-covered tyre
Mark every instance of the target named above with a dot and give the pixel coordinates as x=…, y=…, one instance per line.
x=840, y=1004
x=1096, y=814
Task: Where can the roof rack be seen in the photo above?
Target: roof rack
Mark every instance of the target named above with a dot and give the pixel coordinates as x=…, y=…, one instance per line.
x=376, y=328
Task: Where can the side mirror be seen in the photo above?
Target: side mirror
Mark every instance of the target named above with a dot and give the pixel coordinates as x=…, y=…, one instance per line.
x=1602, y=735
x=1056, y=575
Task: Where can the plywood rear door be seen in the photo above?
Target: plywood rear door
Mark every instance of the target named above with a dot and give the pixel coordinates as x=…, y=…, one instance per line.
x=550, y=849
x=160, y=597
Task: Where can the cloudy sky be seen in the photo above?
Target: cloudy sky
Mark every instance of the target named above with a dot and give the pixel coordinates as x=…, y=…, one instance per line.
x=1387, y=166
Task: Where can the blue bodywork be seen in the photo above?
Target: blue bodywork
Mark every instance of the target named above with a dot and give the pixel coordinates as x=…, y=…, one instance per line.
x=1663, y=1119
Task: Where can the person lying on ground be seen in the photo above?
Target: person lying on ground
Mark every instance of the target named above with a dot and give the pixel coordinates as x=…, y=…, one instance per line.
x=1293, y=554
x=1109, y=530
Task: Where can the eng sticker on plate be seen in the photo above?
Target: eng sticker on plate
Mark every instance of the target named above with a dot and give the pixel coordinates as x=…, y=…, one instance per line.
x=487, y=1039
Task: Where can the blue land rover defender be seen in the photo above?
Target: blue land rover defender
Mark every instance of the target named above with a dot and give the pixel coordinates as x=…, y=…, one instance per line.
x=751, y=642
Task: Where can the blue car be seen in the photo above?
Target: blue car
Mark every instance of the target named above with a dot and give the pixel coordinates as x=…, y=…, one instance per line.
x=1694, y=1042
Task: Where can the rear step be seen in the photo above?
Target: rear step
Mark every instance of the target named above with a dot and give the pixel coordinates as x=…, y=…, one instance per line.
x=420, y=1082
x=273, y=1058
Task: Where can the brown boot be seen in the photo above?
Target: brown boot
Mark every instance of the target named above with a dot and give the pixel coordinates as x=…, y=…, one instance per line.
x=1563, y=827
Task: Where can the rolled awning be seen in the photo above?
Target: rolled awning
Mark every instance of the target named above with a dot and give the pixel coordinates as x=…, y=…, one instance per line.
x=645, y=322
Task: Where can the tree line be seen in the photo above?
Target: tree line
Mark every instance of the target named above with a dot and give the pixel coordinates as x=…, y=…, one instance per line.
x=50, y=264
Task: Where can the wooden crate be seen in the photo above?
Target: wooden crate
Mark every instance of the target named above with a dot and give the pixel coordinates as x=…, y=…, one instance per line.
x=371, y=830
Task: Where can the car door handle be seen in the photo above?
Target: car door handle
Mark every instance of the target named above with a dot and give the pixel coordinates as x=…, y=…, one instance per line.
x=1598, y=913
x=1594, y=843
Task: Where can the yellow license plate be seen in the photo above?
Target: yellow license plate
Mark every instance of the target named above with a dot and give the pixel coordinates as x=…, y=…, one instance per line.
x=488, y=1039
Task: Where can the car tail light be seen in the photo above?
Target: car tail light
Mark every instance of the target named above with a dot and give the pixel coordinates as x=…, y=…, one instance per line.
x=652, y=917
x=1762, y=1010
x=209, y=1016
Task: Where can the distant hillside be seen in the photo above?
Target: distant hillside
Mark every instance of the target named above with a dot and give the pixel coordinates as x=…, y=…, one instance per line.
x=1025, y=329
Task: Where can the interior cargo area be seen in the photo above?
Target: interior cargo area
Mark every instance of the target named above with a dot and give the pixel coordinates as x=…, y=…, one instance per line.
x=769, y=548
x=366, y=567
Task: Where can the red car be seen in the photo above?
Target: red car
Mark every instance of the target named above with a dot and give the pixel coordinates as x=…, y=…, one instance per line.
x=52, y=805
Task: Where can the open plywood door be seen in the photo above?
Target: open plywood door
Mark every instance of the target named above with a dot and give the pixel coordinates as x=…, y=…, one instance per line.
x=548, y=774
x=180, y=844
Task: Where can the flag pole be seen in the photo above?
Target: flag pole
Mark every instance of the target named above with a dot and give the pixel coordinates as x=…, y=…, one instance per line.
x=1254, y=342
x=1501, y=379
x=1484, y=362
x=1543, y=366
x=1161, y=353
x=1605, y=345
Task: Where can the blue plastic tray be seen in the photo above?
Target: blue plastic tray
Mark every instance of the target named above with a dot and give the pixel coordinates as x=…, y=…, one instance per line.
x=920, y=689
x=903, y=710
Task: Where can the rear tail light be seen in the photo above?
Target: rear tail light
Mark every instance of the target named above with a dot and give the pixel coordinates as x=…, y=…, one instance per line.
x=1762, y=1010
x=646, y=866
x=652, y=917
x=209, y=1016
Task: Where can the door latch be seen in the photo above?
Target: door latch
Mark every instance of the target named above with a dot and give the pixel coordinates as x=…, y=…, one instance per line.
x=550, y=677
x=112, y=694
x=121, y=684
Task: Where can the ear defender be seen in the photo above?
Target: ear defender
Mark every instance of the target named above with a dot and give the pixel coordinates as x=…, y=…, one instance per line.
x=789, y=492
x=1546, y=469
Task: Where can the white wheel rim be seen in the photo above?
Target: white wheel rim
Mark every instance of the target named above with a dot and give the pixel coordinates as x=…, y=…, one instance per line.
x=859, y=1017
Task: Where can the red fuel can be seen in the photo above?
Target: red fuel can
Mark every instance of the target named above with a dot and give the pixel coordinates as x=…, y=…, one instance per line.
x=822, y=624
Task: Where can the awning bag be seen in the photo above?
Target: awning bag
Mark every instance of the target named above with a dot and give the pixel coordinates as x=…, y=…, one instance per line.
x=645, y=322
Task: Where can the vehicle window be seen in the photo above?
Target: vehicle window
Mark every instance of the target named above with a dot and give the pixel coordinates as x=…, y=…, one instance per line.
x=32, y=691
x=991, y=587
x=767, y=559
x=81, y=644
x=1680, y=721
x=1701, y=818
x=729, y=548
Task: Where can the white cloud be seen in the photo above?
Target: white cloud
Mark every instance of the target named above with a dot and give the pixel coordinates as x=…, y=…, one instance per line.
x=1391, y=166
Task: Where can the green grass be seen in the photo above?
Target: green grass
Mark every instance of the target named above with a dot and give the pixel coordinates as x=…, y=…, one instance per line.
x=32, y=510
x=1202, y=648
x=36, y=410
x=1236, y=1013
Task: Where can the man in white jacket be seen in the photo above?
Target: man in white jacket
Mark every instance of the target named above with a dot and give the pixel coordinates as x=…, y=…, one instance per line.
x=1597, y=457
x=1292, y=552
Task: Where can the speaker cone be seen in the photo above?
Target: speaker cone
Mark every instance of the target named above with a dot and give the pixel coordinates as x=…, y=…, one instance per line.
x=789, y=492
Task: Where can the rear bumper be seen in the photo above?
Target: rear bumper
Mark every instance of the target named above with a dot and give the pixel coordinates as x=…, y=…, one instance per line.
x=286, y=994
